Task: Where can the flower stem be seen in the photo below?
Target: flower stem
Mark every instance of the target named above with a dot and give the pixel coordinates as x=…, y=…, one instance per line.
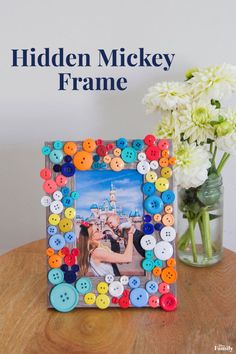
x=213, y=159
x=192, y=238
x=223, y=161
x=206, y=234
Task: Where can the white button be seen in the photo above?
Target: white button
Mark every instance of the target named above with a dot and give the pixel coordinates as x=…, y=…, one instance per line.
x=56, y=207
x=57, y=195
x=141, y=156
x=143, y=167
x=163, y=250
x=124, y=279
x=148, y=242
x=46, y=201
x=116, y=288
x=168, y=233
x=109, y=278
x=154, y=165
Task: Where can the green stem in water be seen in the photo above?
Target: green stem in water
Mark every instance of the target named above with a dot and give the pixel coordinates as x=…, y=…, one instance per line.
x=184, y=240
x=192, y=238
x=206, y=232
x=223, y=161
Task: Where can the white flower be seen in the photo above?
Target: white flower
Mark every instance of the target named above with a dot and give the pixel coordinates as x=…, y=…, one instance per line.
x=167, y=127
x=227, y=142
x=192, y=164
x=215, y=82
x=195, y=121
x=166, y=96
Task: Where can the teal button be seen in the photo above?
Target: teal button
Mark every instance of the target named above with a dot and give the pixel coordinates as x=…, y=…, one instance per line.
x=46, y=150
x=138, y=144
x=158, y=263
x=129, y=155
x=149, y=254
x=64, y=297
x=83, y=285
x=58, y=144
x=55, y=276
x=148, y=265
x=74, y=195
x=56, y=156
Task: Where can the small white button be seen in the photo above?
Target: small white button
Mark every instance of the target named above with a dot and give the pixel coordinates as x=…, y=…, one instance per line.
x=57, y=195
x=46, y=201
x=116, y=288
x=168, y=233
x=154, y=165
x=109, y=278
x=141, y=156
x=163, y=250
x=143, y=167
x=124, y=279
x=148, y=242
x=56, y=207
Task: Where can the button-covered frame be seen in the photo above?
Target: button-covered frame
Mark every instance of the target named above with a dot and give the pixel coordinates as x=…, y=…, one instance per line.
x=153, y=159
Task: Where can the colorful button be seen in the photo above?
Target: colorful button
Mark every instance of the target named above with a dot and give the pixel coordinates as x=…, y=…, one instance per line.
x=153, y=204
x=55, y=261
x=45, y=173
x=162, y=184
x=57, y=195
x=109, y=278
x=116, y=288
x=172, y=160
x=89, y=145
x=99, y=142
x=54, y=219
x=139, y=297
x=148, y=188
x=168, y=209
x=156, y=271
x=89, y=298
x=157, y=217
x=165, y=153
x=134, y=282
x=169, y=275
x=121, y=143
x=117, y=164
x=158, y=226
x=70, y=148
x=68, y=169
x=163, y=288
x=58, y=144
x=148, y=242
x=57, y=168
x=64, y=297
x=65, y=225
x=168, y=302
x=149, y=254
x=158, y=263
x=124, y=302
x=168, y=220
x=147, y=218
x=149, y=139
x=65, y=191
x=67, y=201
x=166, y=172
x=171, y=262
x=52, y=230
x=107, y=159
x=129, y=154
x=163, y=144
x=153, y=153
x=138, y=144
x=46, y=150
x=153, y=301
x=168, y=233
x=49, y=186
x=163, y=162
x=148, y=228
x=168, y=197
x=83, y=285
x=46, y=201
x=163, y=250
x=49, y=252
x=143, y=167
x=61, y=180
x=124, y=279
x=70, y=261
x=70, y=213
x=117, y=152
x=102, y=287
x=56, y=156
x=55, y=276
x=57, y=242
x=70, y=237
x=101, y=150
x=154, y=165
x=74, y=195
x=56, y=207
x=147, y=264
x=83, y=160
x=151, y=287
x=142, y=156
x=151, y=176
x=102, y=301
x=67, y=158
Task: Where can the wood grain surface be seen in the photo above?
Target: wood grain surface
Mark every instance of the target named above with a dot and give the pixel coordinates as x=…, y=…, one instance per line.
x=206, y=315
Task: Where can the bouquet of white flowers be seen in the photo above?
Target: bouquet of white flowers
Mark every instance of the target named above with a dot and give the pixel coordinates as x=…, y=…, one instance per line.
x=192, y=115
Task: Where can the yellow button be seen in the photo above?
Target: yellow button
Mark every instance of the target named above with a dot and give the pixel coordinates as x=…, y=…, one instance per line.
x=162, y=184
x=166, y=172
x=117, y=152
x=117, y=164
x=102, y=287
x=157, y=217
x=102, y=301
x=70, y=213
x=89, y=145
x=107, y=159
x=54, y=219
x=65, y=225
x=83, y=160
x=89, y=298
x=151, y=176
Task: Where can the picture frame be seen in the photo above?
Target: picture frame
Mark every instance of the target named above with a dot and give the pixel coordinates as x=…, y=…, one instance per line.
x=110, y=223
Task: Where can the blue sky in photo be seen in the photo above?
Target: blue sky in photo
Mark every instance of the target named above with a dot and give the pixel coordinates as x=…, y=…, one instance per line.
x=94, y=187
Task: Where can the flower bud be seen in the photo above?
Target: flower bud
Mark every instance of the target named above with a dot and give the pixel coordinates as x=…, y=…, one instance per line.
x=223, y=128
x=189, y=73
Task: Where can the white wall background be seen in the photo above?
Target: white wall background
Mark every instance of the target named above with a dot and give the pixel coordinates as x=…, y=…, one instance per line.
x=32, y=110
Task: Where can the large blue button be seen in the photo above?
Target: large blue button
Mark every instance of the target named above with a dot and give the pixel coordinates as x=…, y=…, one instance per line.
x=168, y=197
x=129, y=155
x=121, y=143
x=138, y=144
x=55, y=276
x=52, y=230
x=64, y=297
x=67, y=201
x=148, y=188
x=56, y=156
x=57, y=242
x=151, y=287
x=70, y=237
x=83, y=285
x=68, y=169
x=153, y=204
x=58, y=144
x=139, y=297
x=134, y=282
x=148, y=228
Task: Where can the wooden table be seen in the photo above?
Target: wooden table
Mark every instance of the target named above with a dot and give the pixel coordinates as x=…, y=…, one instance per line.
x=206, y=315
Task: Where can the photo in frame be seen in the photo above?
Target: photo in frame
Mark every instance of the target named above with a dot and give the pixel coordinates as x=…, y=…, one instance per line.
x=110, y=223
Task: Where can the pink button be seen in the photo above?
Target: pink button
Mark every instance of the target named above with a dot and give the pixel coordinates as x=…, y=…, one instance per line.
x=163, y=144
x=61, y=180
x=163, y=288
x=149, y=139
x=45, y=173
x=153, y=301
x=49, y=186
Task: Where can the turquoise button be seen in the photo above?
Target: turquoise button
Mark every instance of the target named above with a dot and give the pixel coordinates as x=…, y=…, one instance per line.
x=56, y=156
x=149, y=254
x=83, y=285
x=139, y=297
x=158, y=263
x=148, y=265
x=58, y=144
x=46, y=150
x=74, y=195
x=138, y=144
x=64, y=297
x=129, y=155
x=153, y=204
x=55, y=276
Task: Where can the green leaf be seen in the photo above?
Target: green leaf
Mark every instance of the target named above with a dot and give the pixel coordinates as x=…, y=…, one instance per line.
x=213, y=216
x=216, y=103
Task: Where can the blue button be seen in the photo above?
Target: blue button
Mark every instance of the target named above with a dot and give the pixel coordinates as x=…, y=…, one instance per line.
x=138, y=144
x=96, y=165
x=58, y=144
x=57, y=242
x=57, y=168
x=70, y=237
x=67, y=201
x=83, y=285
x=70, y=277
x=52, y=230
x=149, y=254
x=64, y=297
x=67, y=158
x=168, y=197
x=65, y=191
x=148, y=188
x=158, y=263
x=96, y=158
x=148, y=265
x=55, y=276
x=147, y=218
x=134, y=282
x=103, y=165
x=158, y=226
x=139, y=297
x=121, y=143
x=46, y=150
x=56, y=156
x=74, y=195
x=151, y=287
x=68, y=169
x=129, y=155
x=153, y=204
x=148, y=228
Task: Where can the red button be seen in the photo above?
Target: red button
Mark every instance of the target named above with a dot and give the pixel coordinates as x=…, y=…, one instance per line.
x=61, y=180
x=126, y=293
x=49, y=186
x=75, y=252
x=168, y=302
x=153, y=301
x=45, y=173
x=163, y=144
x=69, y=260
x=110, y=147
x=124, y=302
x=163, y=288
x=65, y=251
x=101, y=150
x=149, y=139
x=115, y=300
x=153, y=153
x=99, y=141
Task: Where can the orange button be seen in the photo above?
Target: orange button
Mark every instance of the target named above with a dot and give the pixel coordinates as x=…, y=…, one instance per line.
x=168, y=220
x=156, y=271
x=163, y=162
x=83, y=160
x=61, y=254
x=172, y=160
x=55, y=261
x=107, y=159
x=157, y=217
x=165, y=153
x=168, y=209
x=171, y=262
x=117, y=164
x=89, y=145
x=49, y=252
x=117, y=152
x=70, y=148
x=169, y=275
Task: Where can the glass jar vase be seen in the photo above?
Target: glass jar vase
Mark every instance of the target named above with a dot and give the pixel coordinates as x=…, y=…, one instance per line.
x=200, y=223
